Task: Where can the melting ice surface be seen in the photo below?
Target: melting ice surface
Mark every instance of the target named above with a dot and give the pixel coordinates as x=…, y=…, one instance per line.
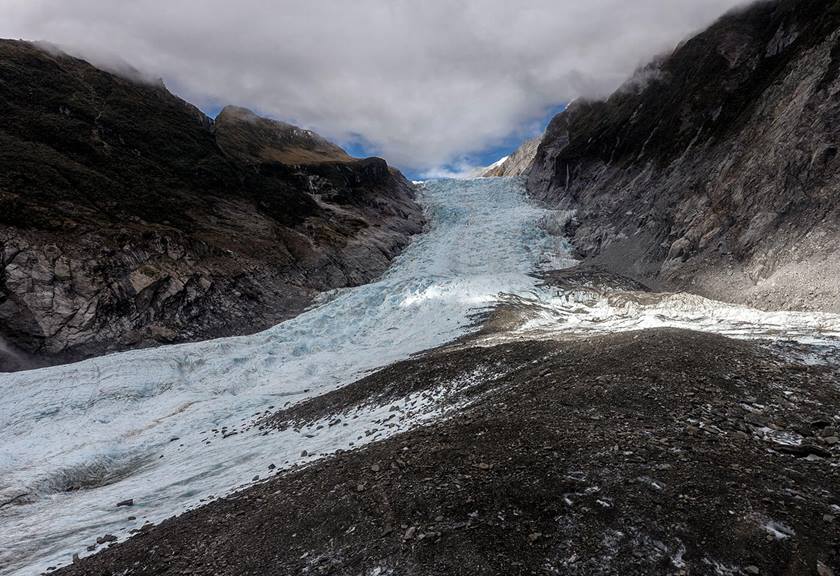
x=107, y=425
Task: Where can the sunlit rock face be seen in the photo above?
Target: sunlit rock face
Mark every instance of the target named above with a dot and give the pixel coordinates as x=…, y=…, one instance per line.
x=128, y=218
x=715, y=169
x=517, y=163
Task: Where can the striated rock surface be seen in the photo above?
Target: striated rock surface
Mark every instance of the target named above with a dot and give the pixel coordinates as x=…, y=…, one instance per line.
x=128, y=218
x=715, y=169
x=517, y=163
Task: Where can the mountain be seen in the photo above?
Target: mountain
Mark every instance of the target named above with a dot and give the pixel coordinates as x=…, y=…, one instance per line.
x=571, y=422
x=254, y=140
x=517, y=163
x=715, y=169
x=128, y=218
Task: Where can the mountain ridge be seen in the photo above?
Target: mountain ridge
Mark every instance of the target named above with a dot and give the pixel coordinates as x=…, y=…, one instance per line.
x=517, y=163
x=718, y=173
x=129, y=218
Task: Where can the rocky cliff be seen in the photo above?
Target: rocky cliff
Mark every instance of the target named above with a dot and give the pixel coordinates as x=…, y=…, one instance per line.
x=517, y=163
x=715, y=169
x=128, y=218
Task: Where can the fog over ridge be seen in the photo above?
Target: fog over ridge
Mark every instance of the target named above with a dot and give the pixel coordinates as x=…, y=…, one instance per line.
x=421, y=83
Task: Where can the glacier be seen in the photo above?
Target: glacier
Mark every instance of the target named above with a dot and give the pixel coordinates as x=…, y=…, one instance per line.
x=172, y=427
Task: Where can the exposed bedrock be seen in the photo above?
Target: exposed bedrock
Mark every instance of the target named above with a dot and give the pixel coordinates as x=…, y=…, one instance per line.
x=715, y=168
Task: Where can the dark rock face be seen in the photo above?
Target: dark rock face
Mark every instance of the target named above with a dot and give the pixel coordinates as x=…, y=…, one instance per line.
x=128, y=219
x=714, y=169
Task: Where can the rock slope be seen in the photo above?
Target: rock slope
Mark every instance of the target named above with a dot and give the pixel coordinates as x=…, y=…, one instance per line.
x=128, y=218
x=517, y=163
x=715, y=169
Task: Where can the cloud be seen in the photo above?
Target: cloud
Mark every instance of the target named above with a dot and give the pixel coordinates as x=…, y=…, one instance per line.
x=424, y=82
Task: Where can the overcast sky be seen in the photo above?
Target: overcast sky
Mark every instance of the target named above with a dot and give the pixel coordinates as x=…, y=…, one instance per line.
x=424, y=83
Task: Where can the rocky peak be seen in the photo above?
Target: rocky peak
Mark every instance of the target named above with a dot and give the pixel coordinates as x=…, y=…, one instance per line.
x=255, y=140
x=517, y=163
x=715, y=169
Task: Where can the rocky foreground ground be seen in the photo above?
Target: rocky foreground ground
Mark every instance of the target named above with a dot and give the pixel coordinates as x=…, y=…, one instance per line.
x=654, y=452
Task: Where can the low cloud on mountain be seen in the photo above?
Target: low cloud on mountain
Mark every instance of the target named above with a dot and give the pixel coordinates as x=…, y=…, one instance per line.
x=421, y=83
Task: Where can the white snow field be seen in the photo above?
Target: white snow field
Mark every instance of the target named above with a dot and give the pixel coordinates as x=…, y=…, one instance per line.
x=139, y=425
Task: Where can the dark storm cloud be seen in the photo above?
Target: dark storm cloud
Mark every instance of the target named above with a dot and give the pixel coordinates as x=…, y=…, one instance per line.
x=422, y=81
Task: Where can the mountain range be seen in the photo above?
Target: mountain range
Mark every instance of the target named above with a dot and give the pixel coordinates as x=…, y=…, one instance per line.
x=128, y=218
x=621, y=359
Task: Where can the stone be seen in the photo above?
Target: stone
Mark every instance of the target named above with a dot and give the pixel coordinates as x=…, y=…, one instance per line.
x=752, y=569
x=129, y=502
x=757, y=419
x=823, y=569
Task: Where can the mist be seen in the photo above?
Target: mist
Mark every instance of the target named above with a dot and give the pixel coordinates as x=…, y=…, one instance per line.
x=419, y=83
